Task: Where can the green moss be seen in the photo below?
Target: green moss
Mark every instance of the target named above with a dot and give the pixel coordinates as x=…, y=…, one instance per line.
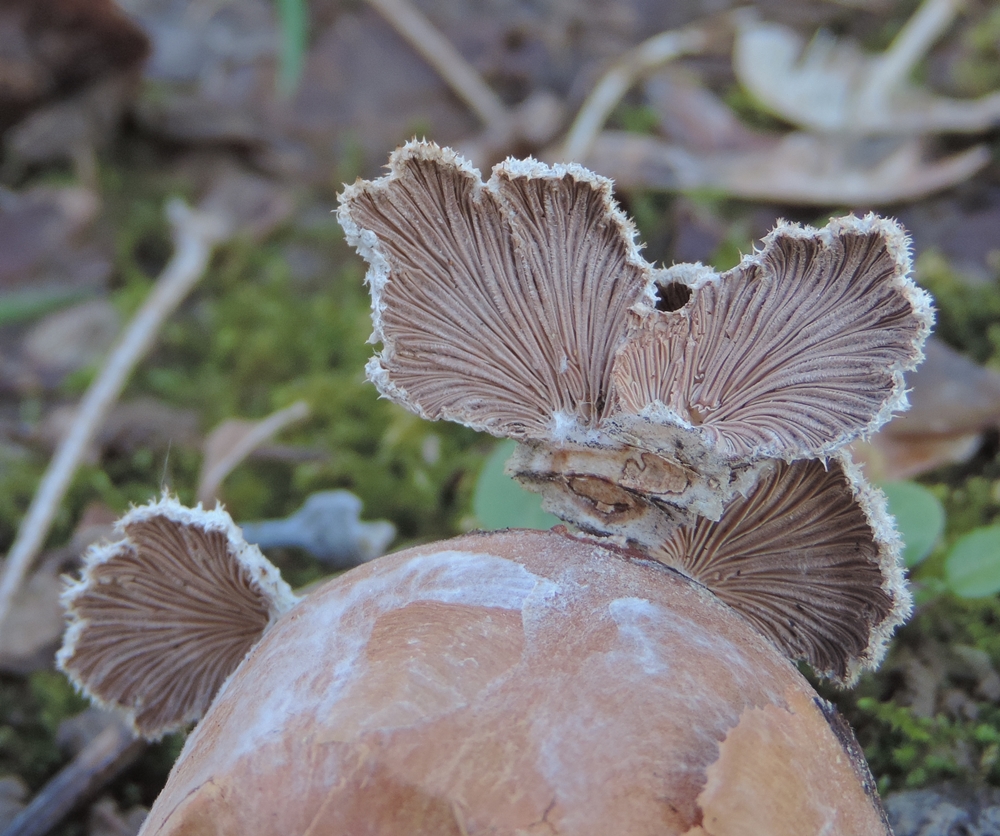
x=636, y=118
x=30, y=713
x=20, y=471
x=968, y=312
x=976, y=71
x=905, y=749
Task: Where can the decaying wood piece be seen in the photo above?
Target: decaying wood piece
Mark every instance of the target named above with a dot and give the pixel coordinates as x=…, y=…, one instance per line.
x=515, y=682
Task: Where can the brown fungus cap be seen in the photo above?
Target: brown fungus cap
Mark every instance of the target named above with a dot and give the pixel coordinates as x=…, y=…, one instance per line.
x=159, y=619
x=516, y=683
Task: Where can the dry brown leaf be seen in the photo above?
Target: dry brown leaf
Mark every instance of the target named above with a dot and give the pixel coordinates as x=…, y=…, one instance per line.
x=694, y=117
x=799, y=168
x=949, y=393
x=107, y=819
x=34, y=625
x=13, y=793
x=53, y=48
x=72, y=129
x=830, y=86
x=886, y=457
x=39, y=240
x=953, y=400
x=71, y=339
x=233, y=440
x=144, y=423
x=251, y=204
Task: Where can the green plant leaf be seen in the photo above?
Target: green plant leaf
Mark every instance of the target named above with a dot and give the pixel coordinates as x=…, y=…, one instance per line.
x=294, y=18
x=919, y=518
x=972, y=568
x=499, y=502
x=25, y=305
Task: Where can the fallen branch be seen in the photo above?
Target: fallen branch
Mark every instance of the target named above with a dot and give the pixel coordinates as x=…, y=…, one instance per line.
x=447, y=61
x=195, y=235
x=112, y=751
x=256, y=434
x=617, y=81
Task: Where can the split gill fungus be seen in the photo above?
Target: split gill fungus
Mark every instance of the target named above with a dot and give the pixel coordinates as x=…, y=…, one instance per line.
x=633, y=676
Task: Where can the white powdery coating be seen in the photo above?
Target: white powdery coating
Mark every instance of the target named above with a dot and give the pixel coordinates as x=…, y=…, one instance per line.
x=646, y=625
x=341, y=631
x=565, y=428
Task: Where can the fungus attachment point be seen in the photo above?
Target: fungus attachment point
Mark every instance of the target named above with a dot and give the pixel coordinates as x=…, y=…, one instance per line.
x=159, y=619
x=810, y=558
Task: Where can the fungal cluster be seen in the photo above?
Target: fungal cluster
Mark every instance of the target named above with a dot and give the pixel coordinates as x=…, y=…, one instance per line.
x=697, y=417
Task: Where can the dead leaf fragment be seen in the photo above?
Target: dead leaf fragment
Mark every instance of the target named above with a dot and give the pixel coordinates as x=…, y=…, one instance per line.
x=72, y=339
x=34, y=625
x=233, y=440
x=886, y=457
x=251, y=204
x=39, y=239
x=13, y=792
x=953, y=400
x=52, y=48
x=144, y=423
x=949, y=393
x=799, y=168
x=694, y=117
x=107, y=819
x=829, y=85
x=73, y=128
